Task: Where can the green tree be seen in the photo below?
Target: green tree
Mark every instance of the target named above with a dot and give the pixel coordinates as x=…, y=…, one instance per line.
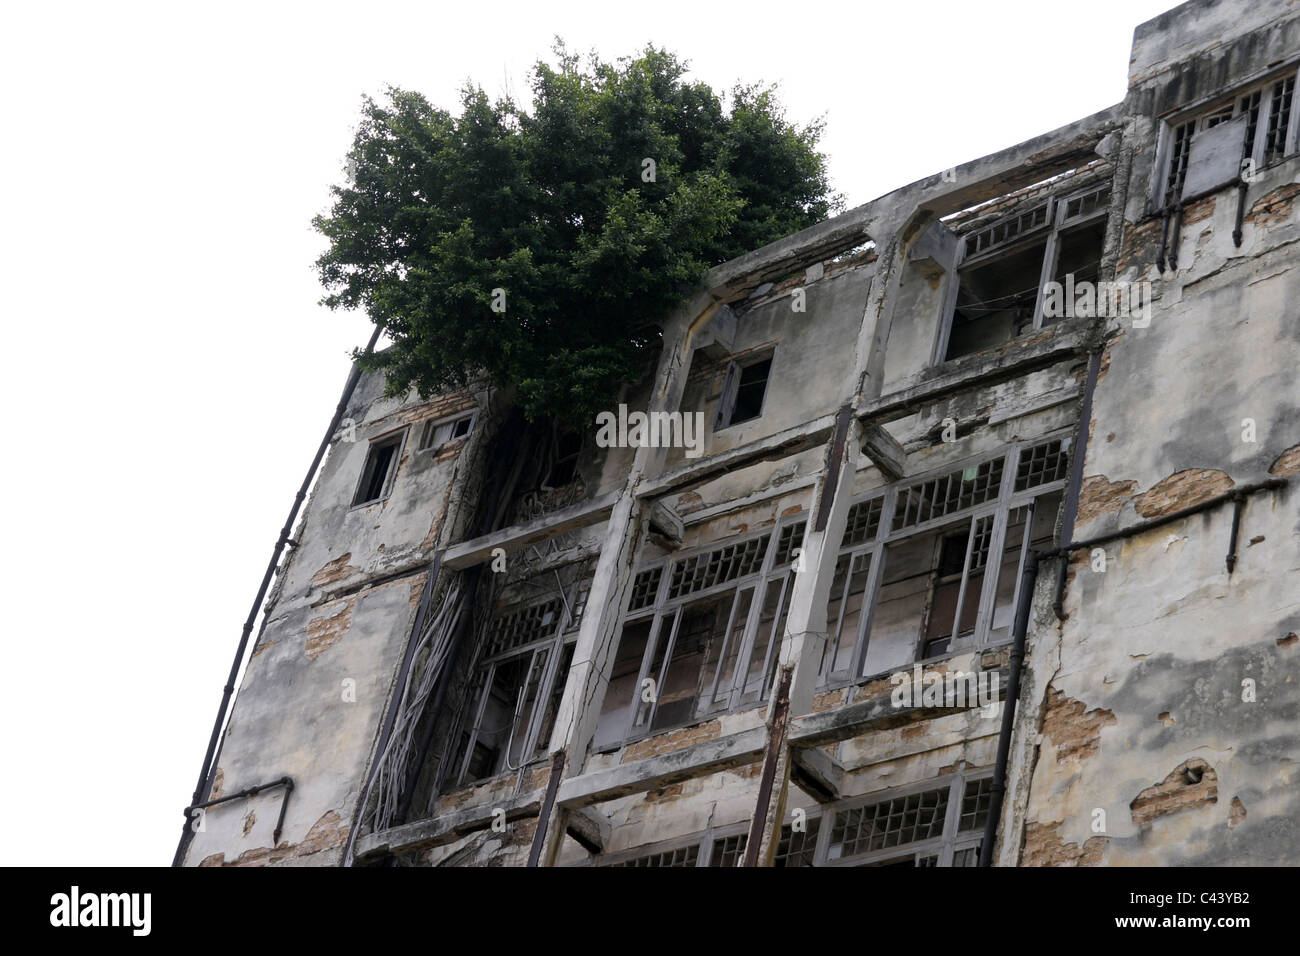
x=557, y=207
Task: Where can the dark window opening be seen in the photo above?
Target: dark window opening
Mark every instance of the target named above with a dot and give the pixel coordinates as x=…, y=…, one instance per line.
x=376, y=475
x=1078, y=255
x=750, y=391
x=565, y=466
x=995, y=301
x=743, y=392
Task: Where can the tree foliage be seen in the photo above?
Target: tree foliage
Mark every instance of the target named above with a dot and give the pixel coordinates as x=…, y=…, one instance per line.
x=555, y=206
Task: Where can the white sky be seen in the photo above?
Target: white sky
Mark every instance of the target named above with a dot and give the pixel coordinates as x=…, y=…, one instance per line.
x=169, y=372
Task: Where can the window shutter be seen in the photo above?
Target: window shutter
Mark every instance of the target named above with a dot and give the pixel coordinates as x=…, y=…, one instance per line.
x=728, y=398
x=1214, y=158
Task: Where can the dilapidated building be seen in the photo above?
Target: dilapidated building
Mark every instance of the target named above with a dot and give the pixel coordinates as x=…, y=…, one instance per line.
x=990, y=545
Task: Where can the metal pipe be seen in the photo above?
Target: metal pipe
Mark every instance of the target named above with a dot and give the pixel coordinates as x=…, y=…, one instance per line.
x=286, y=782
x=1269, y=484
x=1238, y=503
x=205, y=771
x=1028, y=578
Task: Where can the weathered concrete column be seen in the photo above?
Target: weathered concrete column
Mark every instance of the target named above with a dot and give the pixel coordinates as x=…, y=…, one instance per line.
x=593, y=656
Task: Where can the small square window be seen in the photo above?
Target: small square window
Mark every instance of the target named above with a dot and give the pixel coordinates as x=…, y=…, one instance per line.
x=377, y=476
x=743, y=392
x=436, y=434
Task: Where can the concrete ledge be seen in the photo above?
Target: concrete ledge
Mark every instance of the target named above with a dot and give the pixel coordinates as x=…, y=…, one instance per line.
x=447, y=828
x=1013, y=360
x=877, y=713
x=791, y=441
x=580, y=515
x=724, y=753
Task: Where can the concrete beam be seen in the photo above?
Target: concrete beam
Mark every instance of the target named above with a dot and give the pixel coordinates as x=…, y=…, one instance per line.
x=884, y=451
x=579, y=515
x=876, y=713
x=817, y=774
x=589, y=828
x=661, y=770
x=666, y=523
x=791, y=441
x=447, y=828
x=1012, y=360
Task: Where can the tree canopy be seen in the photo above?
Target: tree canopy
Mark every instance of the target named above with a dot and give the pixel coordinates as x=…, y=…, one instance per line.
x=541, y=247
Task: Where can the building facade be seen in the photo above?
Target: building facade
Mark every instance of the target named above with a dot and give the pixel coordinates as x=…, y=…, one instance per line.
x=989, y=545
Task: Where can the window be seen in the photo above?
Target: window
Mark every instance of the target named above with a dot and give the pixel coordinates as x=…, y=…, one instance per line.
x=377, y=475
x=438, y=433
x=932, y=566
x=701, y=635
x=516, y=685
x=931, y=826
x=938, y=823
x=743, y=391
x=564, y=464
x=1257, y=125
x=1002, y=268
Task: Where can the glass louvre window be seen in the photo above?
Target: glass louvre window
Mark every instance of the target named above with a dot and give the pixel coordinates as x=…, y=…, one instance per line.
x=891, y=823
x=684, y=856
x=728, y=851
x=702, y=635
x=949, y=557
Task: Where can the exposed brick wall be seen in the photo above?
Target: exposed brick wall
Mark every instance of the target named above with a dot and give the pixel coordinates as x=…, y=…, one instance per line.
x=1177, y=792
x=1288, y=463
x=1275, y=207
x=672, y=740
x=1075, y=730
x=1099, y=496
x=334, y=571
x=1044, y=847
x=1181, y=490
x=327, y=833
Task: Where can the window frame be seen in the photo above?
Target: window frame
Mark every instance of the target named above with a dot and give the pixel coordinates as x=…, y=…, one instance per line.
x=395, y=439
x=1000, y=508
x=1059, y=221
x=1158, y=200
x=722, y=418
x=429, y=429
x=482, y=675
x=665, y=615
x=944, y=847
